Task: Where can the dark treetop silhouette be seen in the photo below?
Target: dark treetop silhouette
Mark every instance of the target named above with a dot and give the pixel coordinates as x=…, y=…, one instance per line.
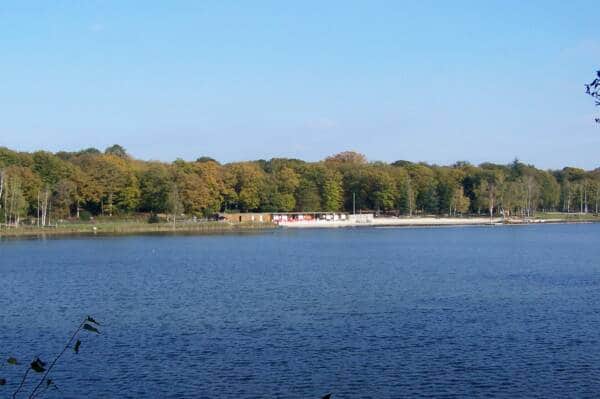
x=593, y=89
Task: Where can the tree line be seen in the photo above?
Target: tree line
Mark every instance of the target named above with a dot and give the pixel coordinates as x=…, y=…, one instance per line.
x=43, y=186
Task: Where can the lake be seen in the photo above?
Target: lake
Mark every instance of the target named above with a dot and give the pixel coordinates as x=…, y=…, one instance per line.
x=360, y=313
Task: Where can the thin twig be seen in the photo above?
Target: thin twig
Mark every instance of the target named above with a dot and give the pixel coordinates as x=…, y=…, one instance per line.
x=41, y=391
x=46, y=388
x=56, y=359
x=22, y=383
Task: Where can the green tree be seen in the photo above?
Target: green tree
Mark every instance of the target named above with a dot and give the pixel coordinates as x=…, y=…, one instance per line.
x=405, y=198
x=549, y=191
x=308, y=199
x=459, y=203
x=449, y=189
x=280, y=187
x=382, y=191
x=330, y=188
x=425, y=185
x=155, y=183
x=50, y=168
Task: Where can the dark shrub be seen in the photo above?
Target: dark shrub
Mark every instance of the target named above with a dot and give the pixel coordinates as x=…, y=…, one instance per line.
x=85, y=216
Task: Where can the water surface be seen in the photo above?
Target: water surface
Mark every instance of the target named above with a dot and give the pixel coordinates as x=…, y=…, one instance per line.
x=362, y=313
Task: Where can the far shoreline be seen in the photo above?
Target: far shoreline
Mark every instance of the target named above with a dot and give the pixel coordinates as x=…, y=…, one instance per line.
x=222, y=228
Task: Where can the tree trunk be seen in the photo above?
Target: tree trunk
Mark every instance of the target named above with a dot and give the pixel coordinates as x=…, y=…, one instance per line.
x=45, y=207
x=6, y=205
x=491, y=200
x=1, y=185
x=11, y=213
x=110, y=204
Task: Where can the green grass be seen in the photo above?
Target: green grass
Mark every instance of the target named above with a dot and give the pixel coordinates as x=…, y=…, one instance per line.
x=131, y=227
x=571, y=217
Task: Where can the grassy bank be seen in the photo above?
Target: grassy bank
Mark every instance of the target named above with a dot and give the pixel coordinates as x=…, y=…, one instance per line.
x=129, y=227
x=567, y=217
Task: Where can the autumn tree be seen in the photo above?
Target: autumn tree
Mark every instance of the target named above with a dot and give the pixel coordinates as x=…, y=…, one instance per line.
x=113, y=179
x=348, y=158
x=117, y=151
x=43, y=185
x=248, y=181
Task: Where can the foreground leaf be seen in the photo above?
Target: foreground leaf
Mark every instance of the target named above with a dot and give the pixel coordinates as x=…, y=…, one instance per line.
x=38, y=366
x=90, y=328
x=12, y=360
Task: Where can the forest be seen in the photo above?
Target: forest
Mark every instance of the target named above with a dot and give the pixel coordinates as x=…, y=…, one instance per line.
x=41, y=186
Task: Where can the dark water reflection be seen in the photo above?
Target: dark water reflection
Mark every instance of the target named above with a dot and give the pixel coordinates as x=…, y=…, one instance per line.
x=380, y=313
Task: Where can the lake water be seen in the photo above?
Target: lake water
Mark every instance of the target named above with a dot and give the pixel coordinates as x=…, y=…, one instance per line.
x=361, y=313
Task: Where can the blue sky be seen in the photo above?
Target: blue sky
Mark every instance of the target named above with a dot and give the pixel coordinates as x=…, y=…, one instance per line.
x=422, y=81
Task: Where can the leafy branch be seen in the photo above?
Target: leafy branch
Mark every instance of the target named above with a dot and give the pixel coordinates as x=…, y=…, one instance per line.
x=89, y=324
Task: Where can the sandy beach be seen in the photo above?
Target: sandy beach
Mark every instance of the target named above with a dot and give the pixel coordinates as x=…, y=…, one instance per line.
x=412, y=221
x=390, y=221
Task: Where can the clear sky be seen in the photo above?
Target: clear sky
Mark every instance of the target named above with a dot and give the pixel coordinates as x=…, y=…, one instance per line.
x=422, y=80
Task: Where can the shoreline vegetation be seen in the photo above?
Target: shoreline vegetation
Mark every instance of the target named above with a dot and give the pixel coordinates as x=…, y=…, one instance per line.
x=116, y=228
x=124, y=227
x=111, y=192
